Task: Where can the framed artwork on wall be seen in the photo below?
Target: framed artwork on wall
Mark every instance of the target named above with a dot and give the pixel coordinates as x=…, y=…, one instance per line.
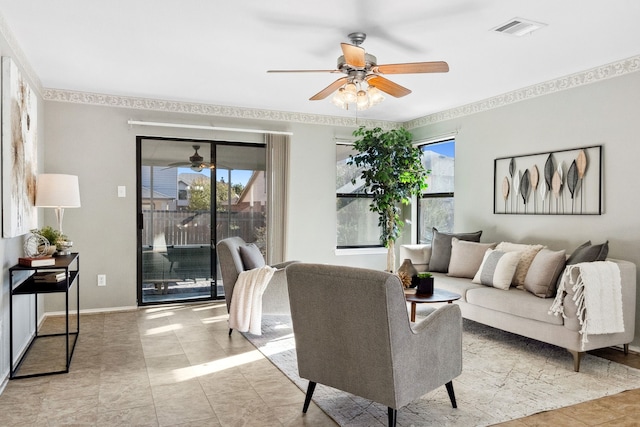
x=563, y=182
x=19, y=152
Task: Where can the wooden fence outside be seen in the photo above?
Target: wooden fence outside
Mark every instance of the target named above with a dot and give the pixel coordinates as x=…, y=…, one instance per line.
x=194, y=228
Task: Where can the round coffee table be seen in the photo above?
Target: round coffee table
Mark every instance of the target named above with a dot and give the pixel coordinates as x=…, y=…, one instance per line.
x=439, y=295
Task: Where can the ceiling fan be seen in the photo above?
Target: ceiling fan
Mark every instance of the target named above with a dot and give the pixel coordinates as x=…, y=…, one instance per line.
x=196, y=162
x=363, y=72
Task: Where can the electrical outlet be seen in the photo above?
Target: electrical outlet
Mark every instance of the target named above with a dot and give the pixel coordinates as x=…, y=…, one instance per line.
x=102, y=280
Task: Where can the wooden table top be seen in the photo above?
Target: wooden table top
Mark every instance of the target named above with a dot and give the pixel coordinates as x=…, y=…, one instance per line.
x=439, y=295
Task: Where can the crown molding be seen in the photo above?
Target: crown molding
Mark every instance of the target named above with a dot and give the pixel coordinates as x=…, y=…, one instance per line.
x=18, y=55
x=88, y=98
x=604, y=72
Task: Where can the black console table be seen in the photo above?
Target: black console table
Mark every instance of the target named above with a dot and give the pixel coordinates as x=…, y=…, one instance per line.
x=70, y=265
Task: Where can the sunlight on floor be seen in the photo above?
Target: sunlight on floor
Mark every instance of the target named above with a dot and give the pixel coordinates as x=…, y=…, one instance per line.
x=191, y=372
x=163, y=329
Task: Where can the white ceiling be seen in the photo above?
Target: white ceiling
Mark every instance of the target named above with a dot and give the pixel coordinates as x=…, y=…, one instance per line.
x=217, y=52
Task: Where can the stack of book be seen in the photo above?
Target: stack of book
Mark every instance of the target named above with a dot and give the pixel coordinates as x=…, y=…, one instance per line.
x=36, y=262
x=49, y=276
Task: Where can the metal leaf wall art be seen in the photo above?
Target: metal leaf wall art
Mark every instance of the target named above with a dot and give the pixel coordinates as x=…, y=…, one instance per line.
x=520, y=188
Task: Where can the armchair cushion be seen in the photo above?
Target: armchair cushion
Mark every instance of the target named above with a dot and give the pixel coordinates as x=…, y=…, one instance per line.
x=251, y=256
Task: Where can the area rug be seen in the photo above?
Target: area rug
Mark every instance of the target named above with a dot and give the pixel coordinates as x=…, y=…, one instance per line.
x=504, y=377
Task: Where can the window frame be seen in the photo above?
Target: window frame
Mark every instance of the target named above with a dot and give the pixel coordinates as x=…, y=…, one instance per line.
x=364, y=195
x=441, y=195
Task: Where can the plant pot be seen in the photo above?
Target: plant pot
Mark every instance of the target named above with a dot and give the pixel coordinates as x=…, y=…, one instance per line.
x=424, y=286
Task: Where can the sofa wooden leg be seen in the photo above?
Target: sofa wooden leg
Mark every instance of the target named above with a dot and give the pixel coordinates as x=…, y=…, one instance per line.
x=452, y=395
x=577, y=356
x=392, y=415
x=626, y=348
x=307, y=399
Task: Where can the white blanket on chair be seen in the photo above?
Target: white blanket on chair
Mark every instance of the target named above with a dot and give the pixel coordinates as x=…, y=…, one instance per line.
x=245, y=311
x=597, y=294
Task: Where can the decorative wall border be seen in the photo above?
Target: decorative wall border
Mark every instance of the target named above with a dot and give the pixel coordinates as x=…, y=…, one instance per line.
x=604, y=72
x=593, y=75
x=88, y=98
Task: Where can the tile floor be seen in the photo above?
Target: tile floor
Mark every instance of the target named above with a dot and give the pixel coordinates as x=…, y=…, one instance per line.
x=177, y=366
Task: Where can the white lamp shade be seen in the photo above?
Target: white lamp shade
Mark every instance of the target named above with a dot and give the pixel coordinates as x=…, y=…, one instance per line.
x=57, y=191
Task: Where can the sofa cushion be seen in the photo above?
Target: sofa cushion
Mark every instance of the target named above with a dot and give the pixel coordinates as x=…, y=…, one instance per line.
x=466, y=257
x=459, y=285
x=515, y=302
x=527, y=254
x=542, y=277
x=497, y=269
x=589, y=253
x=441, y=248
x=251, y=256
x=419, y=255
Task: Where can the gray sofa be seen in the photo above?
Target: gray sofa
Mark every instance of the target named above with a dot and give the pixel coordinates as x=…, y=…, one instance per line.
x=523, y=313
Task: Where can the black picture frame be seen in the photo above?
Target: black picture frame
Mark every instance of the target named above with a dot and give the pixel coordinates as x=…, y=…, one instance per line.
x=572, y=180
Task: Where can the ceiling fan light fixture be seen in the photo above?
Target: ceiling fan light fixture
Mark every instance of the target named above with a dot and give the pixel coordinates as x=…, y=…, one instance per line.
x=197, y=167
x=363, y=100
x=375, y=95
x=338, y=99
x=350, y=93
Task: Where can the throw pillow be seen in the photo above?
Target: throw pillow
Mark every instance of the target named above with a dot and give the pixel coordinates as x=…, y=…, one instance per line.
x=251, y=256
x=587, y=252
x=542, y=277
x=497, y=269
x=441, y=248
x=527, y=254
x=466, y=257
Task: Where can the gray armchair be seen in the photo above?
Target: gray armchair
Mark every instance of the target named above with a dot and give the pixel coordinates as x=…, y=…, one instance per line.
x=275, y=299
x=353, y=333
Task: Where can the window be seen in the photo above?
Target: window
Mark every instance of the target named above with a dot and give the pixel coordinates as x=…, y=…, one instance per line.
x=357, y=226
x=435, y=207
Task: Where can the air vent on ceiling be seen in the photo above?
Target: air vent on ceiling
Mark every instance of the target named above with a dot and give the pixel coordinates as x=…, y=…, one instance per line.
x=518, y=27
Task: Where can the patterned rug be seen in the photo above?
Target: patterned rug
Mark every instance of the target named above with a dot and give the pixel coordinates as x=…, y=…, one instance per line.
x=504, y=377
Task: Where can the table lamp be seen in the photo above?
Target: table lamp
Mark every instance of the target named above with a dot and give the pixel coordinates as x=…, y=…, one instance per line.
x=58, y=191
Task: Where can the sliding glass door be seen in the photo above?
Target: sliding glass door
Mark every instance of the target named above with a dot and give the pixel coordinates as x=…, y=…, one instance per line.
x=191, y=194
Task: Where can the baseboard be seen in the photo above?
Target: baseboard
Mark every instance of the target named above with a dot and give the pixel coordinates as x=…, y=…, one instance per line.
x=93, y=311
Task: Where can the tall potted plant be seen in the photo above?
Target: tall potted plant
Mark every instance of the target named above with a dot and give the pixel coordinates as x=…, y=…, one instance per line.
x=393, y=173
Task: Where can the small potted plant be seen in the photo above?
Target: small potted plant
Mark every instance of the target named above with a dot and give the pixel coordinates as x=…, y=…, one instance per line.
x=424, y=284
x=53, y=237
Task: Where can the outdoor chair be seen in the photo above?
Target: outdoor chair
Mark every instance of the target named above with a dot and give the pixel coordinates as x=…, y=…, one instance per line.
x=352, y=332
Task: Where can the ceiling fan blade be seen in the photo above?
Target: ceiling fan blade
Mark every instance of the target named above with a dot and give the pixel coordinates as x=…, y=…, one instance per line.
x=329, y=89
x=353, y=55
x=303, y=71
x=413, y=67
x=388, y=86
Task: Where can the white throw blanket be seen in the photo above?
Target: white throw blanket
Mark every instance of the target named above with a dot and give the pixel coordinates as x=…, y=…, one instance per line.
x=597, y=294
x=245, y=311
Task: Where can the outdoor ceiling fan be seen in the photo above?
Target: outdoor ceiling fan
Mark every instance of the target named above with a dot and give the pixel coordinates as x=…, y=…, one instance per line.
x=196, y=162
x=364, y=79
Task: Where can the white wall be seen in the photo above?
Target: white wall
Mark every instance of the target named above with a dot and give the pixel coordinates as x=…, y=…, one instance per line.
x=97, y=144
x=604, y=113
x=11, y=249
